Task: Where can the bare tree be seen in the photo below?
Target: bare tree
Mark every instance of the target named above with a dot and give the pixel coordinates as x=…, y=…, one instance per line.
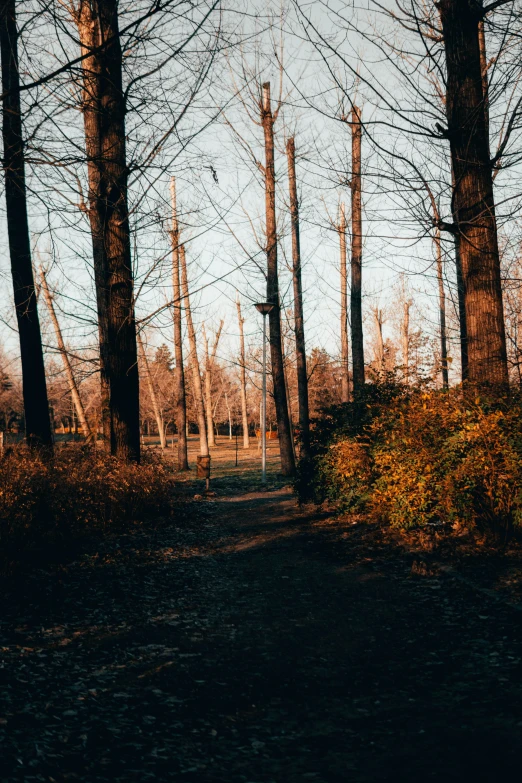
x=442, y=313
x=268, y=119
x=152, y=392
x=300, y=348
x=242, y=376
x=209, y=363
x=405, y=337
x=179, y=370
x=194, y=361
x=356, y=259
x=345, y=359
x=378, y=316
x=473, y=200
x=36, y=408
x=104, y=121
x=71, y=380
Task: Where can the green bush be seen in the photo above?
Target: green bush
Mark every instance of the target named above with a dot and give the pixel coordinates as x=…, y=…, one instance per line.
x=420, y=458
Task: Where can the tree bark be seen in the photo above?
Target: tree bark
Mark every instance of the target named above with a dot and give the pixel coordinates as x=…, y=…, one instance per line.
x=104, y=122
x=345, y=357
x=194, y=362
x=71, y=380
x=179, y=370
x=300, y=348
x=356, y=260
x=442, y=315
x=484, y=72
x=379, y=320
x=473, y=201
x=209, y=364
x=272, y=292
x=153, y=398
x=36, y=406
x=242, y=377
x=405, y=334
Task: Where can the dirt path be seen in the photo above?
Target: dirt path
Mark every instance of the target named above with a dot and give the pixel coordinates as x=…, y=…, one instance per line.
x=260, y=645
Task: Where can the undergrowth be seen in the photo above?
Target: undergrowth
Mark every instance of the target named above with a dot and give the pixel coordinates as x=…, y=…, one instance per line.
x=76, y=494
x=412, y=457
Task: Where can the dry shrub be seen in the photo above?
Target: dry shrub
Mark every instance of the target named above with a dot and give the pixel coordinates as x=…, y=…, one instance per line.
x=77, y=493
x=431, y=458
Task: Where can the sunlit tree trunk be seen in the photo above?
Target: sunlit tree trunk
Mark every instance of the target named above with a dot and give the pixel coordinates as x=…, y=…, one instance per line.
x=345, y=357
x=71, y=380
x=300, y=349
x=153, y=396
x=272, y=292
x=194, y=361
x=405, y=335
x=104, y=122
x=473, y=201
x=242, y=376
x=442, y=314
x=179, y=370
x=36, y=407
x=209, y=364
x=379, y=320
x=356, y=259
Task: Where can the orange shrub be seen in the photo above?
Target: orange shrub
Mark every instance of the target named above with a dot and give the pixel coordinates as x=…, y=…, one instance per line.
x=76, y=493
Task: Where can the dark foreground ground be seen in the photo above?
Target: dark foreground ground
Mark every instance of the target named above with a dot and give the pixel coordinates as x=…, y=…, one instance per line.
x=259, y=645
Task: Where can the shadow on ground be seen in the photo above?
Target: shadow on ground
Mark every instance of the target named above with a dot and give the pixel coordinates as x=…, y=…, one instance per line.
x=258, y=644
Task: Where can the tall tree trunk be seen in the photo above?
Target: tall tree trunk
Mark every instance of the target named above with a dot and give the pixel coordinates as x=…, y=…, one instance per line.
x=300, y=348
x=153, y=397
x=442, y=315
x=405, y=334
x=194, y=362
x=242, y=376
x=179, y=370
x=36, y=407
x=356, y=260
x=208, y=392
x=104, y=122
x=272, y=292
x=345, y=358
x=473, y=201
x=71, y=380
x=379, y=320
x=229, y=417
x=209, y=365
x=484, y=72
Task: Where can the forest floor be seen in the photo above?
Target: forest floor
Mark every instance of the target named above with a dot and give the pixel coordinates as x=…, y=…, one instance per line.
x=247, y=640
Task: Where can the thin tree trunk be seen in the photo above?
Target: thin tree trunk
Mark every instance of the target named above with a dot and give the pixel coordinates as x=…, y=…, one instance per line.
x=442, y=315
x=242, y=376
x=377, y=314
x=405, y=333
x=179, y=370
x=356, y=260
x=463, y=331
x=345, y=358
x=71, y=380
x=473, y=201
x=209, y=364
x=194, y=362
x=300, y=348
x=208, y=392
x=104, y=120
x=36, y=407
x=272, y=292
x=229, y=418
x=153, y=397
